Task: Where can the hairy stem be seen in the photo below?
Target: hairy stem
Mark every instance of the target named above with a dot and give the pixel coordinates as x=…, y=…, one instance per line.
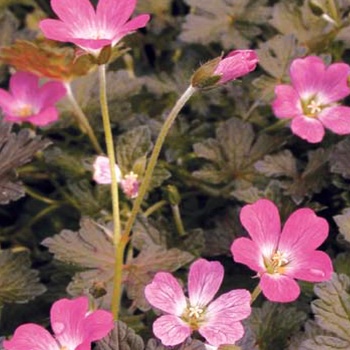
x=117, y=280
x=82, y=120
x=154, y=157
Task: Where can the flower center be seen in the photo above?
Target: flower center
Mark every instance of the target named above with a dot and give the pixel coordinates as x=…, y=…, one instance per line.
x=195, y=311
x=24, y=111
x=277, y=263
x=314, y=107
x=194, y=316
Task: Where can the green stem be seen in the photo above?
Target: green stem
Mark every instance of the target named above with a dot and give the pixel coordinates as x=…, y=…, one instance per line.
x=82, y=120
x=153, y=208
x=256, y=292
x=178, y=221
x=119, y=248
x=40, y=197
x=154, y=157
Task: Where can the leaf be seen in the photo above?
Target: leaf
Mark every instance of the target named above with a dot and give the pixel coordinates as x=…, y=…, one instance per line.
x=280, y=164
x=331, y=311
x=189, y=344
x=133, y=146
x=291, y=18
x=297, y=184
x=140, y=270
x=276, y=54
x=46, y=59
x=92, y=250
x=121, y=338
x=232, y=153
x=272, y=325
x=343, y=223
x=339, y=159
x=342, y=263
x=227, y=227
x=15, y=151
x=313, y=178
x=18, y=282
x=231, y=22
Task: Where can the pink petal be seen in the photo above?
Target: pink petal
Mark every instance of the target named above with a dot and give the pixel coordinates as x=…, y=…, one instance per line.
x=313, y=266
x=307, y=75
x=309, y=129
x=91, y=44
x=166, y=294
x=262, y=221
x=50, y=93
x=31, y=337
x=303, y=231
x=6, y=101
x=56, y=30
x=112, y=14
x=336, y=119
x=44, y=117
x=131, y=26
x=97, y=325
x=102, y=171
x=77, y=14
x=236, y=64
x=232, y=306
x=279, y=288
x=287, y=102
x=204, y=280
x=171, y=330
x=221, y=326
x=24, y=87
x=67, y=321
x=334, y=83
x=222, y=332
x=247, y=252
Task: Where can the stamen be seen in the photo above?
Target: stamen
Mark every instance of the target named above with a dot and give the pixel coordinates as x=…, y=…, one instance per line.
x=24, y=111
x=314, y=107
x=278, y=260
x=195, y=311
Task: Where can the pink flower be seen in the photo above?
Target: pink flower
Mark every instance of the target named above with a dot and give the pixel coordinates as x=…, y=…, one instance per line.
x=281, y=257
x=311, y=99
x=217, y=321
x=222, y=70
x=74, y=326
x=130, y=185
x=236, y=64
x=102, y=171
x=102, y=175
x=29, y=102
x=91, y=29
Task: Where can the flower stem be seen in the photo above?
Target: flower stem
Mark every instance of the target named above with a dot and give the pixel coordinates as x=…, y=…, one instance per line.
x=255, y=294
x=154, y=157
x=178, y=221
x=155, y=207
x=119, y=248
x=82, y=120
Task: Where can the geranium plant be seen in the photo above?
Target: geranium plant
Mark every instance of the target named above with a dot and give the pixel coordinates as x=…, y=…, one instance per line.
x=174, y=175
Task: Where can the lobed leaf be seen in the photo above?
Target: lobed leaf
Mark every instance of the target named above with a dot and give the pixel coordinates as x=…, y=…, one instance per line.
x=18, y=282
x=121, y=338
x=15, y=151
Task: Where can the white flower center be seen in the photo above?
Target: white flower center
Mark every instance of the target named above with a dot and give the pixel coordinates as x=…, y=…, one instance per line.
x=24, y=111
x=314, y=107
x=276, y=263
x=195, y=311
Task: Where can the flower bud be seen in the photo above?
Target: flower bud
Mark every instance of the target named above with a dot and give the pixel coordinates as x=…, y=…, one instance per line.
x=222, y=70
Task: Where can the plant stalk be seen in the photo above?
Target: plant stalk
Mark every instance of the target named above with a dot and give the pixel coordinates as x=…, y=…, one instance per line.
x=119, y=248
x=154, y=157
x=82, y=120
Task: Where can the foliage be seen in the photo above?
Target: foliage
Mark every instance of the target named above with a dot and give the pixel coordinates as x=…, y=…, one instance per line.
x=225, y=149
